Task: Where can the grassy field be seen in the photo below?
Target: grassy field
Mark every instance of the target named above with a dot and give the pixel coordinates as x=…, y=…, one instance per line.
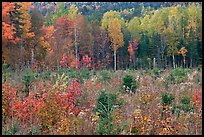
x=83, y=102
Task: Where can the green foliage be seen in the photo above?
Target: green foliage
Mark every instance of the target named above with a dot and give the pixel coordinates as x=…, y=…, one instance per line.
x=52, y=17
x=106, y=104
x=82, y=74
x=148, y=72
x=71, y=72
x=184, y=105
x=198, y=80
x=11, y=128
x=5, y=73
x=28, y=77
x=185, y=100
x=167, y=99
x=105, y=75
x=130, y=83
x=156, y=72
x=177, y=75
x=15, y=128
x=46, y=75
x=199, y=69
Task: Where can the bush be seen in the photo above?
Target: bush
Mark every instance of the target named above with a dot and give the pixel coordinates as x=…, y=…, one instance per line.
x=81, y=74
x=28, y=77
x=177, y=75
x=105, y=75
x=156, y=72
x=148, y=71
x=71, y=72
x=105, y=103
x=130, y=83
x=199, y=68
x=5, y=72
x=185, y=100
x=61, y=82
x=184, y=105
x=167, y=99
x=46, y=75
x=106, y=107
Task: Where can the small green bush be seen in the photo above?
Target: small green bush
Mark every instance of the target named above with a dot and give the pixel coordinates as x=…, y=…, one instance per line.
x=130, y=83
x=28, y=77
x=167, y=99
x=5, y=73
x=105, y=75
x=82, y=74
x=46, y=75
x=199, y=69
x=198, y=80
x=156, y=72
x=177, y=75
x=185, y=100
x=106, y=104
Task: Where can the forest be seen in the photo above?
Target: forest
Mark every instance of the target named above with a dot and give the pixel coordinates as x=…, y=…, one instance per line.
x=100, y=68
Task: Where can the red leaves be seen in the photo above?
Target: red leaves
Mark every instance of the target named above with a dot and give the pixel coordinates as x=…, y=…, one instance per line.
x=64, y=26
x=131, y=51
x=197, y=99
x=86, y=60
x=6, y=8
x=8, y=30
x=132, y=47
x=135, y=44
x=64, y=61
x=42, y=105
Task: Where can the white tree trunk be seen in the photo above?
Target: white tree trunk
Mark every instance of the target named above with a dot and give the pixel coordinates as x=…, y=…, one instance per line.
x=114, y=60
x=173, y=61
x=76, y=48
x=32, y=57
x=154, y=62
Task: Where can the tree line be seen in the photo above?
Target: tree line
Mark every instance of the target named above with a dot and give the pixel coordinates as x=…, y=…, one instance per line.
x=165, y=37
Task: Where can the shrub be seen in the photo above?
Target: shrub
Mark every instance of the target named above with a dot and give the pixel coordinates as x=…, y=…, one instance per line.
x=105, y=103
x=28, y=77
x=178, y=75
x=81, y=74
x=105, y=107
x=71, y=72
x=199, y=69
x=84, y=73
x=167, y=99
x=156, y=72
x=148, y=71
x=46, y=75
x=185, y=100
x=185, y=104
x=15, y=127
x=198, y=80
x=5, y=72
x=105, y=75
x=130, y=83
x=11, y=128
x=61, y=82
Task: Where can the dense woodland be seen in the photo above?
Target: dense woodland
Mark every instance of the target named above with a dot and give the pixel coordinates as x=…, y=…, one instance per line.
x=101, y=68
x=98, y=33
